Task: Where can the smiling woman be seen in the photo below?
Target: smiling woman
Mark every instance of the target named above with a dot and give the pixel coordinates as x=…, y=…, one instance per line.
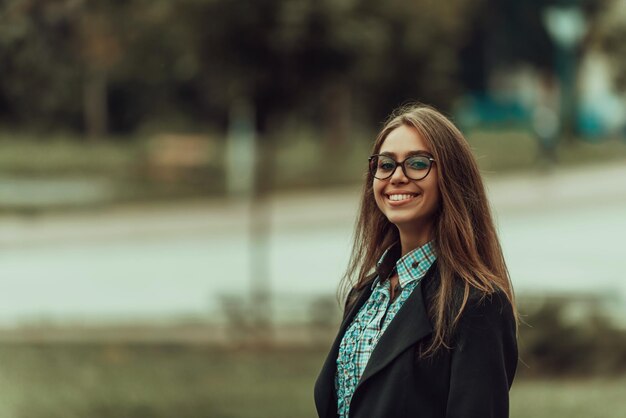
x=430, y=323
x=409, y=197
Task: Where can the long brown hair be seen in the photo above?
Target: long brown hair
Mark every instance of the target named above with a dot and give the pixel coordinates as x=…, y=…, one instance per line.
x=466, y=243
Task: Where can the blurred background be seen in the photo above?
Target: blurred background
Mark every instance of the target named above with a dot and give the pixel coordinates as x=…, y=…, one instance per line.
x=179, y=182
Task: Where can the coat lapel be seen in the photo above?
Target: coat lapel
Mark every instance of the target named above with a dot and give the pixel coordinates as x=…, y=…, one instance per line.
x=325, y=397
x=410, y=325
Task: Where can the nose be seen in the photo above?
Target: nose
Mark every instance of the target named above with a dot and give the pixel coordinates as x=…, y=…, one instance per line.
x=398, y=176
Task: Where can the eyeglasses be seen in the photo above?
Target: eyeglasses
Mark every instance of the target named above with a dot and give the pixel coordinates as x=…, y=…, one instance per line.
x=415, y=167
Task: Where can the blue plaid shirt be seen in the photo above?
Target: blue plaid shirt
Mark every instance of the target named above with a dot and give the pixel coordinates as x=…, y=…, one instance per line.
x=374, y=317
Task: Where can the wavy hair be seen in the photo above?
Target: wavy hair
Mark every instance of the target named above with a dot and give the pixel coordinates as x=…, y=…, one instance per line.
x=466, y=242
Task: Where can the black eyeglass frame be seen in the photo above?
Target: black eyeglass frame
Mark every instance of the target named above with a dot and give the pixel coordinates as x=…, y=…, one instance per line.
x=401, y=164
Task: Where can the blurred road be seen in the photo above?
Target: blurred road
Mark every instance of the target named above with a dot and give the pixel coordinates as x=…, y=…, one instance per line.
x=561, y=232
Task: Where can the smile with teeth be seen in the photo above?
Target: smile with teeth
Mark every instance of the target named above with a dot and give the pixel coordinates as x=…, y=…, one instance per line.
x=400, y=197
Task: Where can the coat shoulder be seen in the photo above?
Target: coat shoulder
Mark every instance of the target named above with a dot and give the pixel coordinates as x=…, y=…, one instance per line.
x=496, y=302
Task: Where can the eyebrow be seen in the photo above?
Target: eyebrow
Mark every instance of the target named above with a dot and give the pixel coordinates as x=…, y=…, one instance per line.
x=408, y=154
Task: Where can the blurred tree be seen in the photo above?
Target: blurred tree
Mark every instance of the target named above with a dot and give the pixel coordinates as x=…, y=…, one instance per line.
x=38, y=69
x=99, y=50
x=152, y=58
x=55, y=54
x=410, y=51
x=274, y=54
x=125, y=65
x=610, y=35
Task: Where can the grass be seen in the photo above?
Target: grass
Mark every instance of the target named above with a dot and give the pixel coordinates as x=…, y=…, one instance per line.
x=22, y=155
x=597, y=398
x=301, y=158
x=136, y=169
x=153, y=381
x=128, y=168
x=506, y=151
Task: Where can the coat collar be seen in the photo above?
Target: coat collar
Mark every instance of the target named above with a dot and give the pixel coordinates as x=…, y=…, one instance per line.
x=410, y=325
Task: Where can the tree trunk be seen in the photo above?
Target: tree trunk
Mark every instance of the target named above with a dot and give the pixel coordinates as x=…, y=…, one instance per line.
x=338, y=116
x=95, y=104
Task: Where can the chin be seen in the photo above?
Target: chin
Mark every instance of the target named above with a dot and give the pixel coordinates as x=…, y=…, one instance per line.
x=402, y=222
x=413, y=223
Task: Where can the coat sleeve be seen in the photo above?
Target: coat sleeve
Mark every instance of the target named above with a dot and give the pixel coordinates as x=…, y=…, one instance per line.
x=484, y=360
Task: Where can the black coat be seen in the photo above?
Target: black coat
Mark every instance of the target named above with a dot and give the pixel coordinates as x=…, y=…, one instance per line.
x=469, y=380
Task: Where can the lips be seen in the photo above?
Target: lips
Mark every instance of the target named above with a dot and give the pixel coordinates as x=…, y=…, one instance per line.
x=400, y=196
x=396, y=199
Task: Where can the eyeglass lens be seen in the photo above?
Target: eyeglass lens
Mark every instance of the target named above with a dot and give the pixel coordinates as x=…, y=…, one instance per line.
x=415, y=168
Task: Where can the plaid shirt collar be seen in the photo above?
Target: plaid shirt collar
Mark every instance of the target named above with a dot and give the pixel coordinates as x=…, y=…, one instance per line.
x=413, y=266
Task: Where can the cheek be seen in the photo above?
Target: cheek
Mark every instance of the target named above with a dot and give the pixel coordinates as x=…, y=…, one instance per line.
x=436, y=194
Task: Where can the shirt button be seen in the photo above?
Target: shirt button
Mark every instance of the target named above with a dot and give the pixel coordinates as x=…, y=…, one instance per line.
x=415, y=264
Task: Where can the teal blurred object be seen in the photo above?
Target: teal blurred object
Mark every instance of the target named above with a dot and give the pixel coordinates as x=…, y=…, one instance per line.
x=481, y=109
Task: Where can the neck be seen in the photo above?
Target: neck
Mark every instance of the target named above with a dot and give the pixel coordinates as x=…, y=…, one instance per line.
x=413, y=238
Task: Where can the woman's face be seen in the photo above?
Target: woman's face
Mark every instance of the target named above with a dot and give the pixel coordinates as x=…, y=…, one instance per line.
x=409, y=204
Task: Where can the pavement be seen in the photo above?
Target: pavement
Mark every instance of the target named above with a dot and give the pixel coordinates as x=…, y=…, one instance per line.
x=555, y=189
x=557, y=229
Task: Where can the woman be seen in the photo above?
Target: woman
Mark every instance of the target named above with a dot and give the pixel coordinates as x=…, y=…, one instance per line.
x=429, y=326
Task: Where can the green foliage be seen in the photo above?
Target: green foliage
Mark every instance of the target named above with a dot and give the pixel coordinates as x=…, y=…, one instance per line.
x=38, y=70
x=119, y=65
x=574, y=398
x=79, y=65
x=553, y=344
